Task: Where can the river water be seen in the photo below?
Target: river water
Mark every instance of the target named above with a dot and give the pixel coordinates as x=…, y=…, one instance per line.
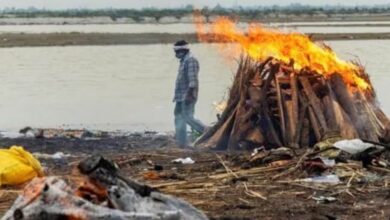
x=304, y=27
x=130, y=87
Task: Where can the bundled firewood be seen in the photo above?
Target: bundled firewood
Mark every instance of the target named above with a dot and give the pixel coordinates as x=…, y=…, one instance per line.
x=272, y=104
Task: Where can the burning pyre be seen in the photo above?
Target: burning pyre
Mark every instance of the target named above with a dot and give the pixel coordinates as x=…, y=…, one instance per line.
x=291, y=91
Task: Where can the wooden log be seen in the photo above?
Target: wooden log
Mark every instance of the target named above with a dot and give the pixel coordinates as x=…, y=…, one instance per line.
x=371, y=129
x=300, y=124
x=315, y=125
x=347, y=128
x=245, y=111
x=255, y=136
x=240, y=127
x=329, y=109
x=383, y=121
x=226, y=115
x=271, y=131
x=233, y=101
x=346, y=102
x=240, y=119
x=330, y=115
x=381, y=118
x=315, y=104
x=220, y=138
x=294, y=118
x=305, y=133
x=255, y=96
x=281, y=112
x=378, y=119
x=242, y=123
x=291, y=125
x=263, y=65
x=265, y=112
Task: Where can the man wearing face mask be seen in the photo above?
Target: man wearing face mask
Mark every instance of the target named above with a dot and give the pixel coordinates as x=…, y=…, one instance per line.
x=186, y=93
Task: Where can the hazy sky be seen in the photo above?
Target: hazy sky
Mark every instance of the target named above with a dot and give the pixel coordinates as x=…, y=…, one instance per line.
x=60, y=4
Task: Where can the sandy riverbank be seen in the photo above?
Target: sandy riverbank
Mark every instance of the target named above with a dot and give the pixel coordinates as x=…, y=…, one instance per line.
x=69, y=39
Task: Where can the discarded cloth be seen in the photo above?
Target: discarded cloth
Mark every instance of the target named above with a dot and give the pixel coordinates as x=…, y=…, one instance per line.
x=353, y=146
x=18, y=166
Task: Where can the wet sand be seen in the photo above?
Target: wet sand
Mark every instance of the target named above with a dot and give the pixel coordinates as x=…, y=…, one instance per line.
x=69, y=39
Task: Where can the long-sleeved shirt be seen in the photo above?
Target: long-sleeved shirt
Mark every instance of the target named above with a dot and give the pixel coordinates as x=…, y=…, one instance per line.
x=187, y=77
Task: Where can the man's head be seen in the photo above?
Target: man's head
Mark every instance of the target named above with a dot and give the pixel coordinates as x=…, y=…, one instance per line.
x=181, y=49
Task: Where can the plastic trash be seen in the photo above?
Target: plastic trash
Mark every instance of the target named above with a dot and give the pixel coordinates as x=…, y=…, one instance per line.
x=257, y=150
x=324, y=199
x=18, y=166
x=326, y=146
x=187, y=160
x=317, y=165
x=327, y=162
x=55, y=156
x=352, y=146
x=330, y=179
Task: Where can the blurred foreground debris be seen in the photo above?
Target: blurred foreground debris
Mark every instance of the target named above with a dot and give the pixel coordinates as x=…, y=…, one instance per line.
x=18, y=166
x=103, y=193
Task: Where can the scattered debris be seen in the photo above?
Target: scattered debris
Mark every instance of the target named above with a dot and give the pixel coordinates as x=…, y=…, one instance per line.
x=354, y=146
x=371, y=178
x=318, y=164
x=131, y=162
x=327, y=162
x=55, y=156
x=257, y=150
x=151, y=175
x=53, y=133
x=186, y=160
x=261, y=156
x=215, y=189
x=324, y=199
x=331, y=179
x=279, y=163
x=158, y=167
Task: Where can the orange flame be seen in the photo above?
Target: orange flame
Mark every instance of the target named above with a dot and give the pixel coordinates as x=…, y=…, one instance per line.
x=260, y=43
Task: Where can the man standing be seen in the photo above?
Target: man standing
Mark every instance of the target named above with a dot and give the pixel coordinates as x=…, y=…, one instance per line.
x=186, y=93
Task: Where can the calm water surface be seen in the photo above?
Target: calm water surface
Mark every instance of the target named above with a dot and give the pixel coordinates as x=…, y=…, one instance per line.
x=318, y=27
x=129, y=87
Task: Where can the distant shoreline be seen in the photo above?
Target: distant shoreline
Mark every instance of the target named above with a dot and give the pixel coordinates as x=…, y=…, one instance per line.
x=79, y=39
x=188, y=18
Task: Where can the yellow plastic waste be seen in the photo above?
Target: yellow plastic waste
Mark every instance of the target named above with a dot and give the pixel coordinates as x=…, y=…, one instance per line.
x=328, y=144
x=18, y=166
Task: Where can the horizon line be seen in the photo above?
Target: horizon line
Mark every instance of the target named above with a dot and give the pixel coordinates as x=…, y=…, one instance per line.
x=190, y=5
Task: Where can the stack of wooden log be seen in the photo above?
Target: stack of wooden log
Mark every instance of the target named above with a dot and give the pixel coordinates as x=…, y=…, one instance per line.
x=272, y=104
